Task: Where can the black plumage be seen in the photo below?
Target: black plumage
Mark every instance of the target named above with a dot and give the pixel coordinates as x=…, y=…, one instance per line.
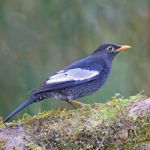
x=81, y=78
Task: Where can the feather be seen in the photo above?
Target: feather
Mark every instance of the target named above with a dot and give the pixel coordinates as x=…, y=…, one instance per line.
x=76, y=74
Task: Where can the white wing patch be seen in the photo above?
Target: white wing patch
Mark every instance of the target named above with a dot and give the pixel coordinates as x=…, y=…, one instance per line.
x=72, y=74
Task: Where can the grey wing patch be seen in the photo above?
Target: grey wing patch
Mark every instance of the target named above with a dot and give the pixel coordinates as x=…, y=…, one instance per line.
x=76, y=74
x=59, y=77
x=81, y=74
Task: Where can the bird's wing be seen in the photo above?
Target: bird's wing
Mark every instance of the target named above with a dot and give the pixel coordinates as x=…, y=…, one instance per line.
x=67, y=78
x=77, y=73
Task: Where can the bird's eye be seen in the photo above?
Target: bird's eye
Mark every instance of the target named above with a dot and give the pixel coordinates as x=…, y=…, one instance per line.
x=110, y=48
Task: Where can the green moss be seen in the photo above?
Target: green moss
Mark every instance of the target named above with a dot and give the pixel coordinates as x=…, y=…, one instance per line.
x=97, y=126
x=2, y=142
x=34, y=147
x=1, y=123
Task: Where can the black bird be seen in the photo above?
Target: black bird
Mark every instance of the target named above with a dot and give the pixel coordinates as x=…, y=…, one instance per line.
x=81, y=78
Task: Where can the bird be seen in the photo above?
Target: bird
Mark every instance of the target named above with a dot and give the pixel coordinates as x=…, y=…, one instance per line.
x=81, y=78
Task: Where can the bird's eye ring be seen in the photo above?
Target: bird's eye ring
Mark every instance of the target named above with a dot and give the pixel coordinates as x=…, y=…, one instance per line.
x=110, y=48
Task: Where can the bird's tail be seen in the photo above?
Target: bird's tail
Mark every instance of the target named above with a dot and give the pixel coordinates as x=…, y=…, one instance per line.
x=19, y=108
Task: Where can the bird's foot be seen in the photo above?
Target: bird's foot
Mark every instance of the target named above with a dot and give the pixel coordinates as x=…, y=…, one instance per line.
x=75, y=104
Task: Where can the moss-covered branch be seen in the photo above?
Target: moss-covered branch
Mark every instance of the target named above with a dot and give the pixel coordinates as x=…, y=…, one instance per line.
x=118, y=124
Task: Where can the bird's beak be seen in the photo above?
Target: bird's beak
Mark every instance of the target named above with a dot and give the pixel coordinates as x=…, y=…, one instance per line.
x=123, y=47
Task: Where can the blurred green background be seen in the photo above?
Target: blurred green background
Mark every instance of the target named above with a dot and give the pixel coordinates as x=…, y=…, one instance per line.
x=39, y=37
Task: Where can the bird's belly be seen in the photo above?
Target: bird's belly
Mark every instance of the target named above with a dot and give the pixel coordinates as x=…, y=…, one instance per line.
x=77, y=91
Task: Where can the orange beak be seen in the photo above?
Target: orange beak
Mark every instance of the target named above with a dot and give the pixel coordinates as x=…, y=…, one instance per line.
x=123, y=47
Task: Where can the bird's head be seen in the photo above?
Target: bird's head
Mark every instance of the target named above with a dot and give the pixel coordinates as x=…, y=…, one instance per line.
x=110, y=49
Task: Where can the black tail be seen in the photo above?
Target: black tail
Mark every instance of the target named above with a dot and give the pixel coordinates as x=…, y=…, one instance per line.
x=19, y=108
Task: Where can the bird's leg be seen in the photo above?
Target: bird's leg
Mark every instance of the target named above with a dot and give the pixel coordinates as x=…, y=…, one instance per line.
x=75, y=103
x=70, y=102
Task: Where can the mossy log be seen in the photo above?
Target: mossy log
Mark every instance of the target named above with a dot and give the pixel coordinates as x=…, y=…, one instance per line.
x=119, y=124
